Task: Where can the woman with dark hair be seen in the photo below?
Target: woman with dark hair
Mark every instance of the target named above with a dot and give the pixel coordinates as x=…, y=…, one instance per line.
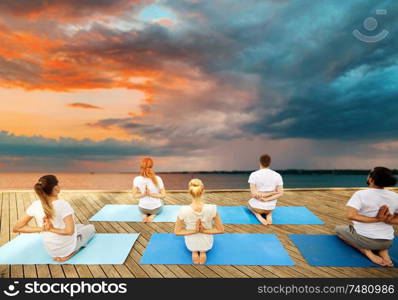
x=149, y=189
x=372, y=212
x=55, y=219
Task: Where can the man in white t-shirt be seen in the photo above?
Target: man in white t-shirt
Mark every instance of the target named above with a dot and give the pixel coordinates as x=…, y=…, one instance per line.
x=372, y=212
x=266, y=186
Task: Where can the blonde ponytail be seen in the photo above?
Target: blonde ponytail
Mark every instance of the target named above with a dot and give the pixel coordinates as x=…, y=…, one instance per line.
x=196, y=188
x=44, y=188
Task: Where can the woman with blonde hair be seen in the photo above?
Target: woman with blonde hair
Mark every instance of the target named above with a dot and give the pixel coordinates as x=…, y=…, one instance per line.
x=195, y=223
x=149, y=188
x=55, y=219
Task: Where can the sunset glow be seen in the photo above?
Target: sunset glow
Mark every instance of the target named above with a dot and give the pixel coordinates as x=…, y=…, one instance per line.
x=199, y=85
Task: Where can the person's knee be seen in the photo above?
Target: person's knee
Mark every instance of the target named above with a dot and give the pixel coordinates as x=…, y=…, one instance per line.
x=92, y=226
x=340, y=229
x=91, y=229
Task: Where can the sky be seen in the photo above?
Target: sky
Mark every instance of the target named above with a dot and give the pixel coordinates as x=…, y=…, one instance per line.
x=96, y=85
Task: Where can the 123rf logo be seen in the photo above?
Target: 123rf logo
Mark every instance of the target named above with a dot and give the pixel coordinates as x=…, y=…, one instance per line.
x=71, y=289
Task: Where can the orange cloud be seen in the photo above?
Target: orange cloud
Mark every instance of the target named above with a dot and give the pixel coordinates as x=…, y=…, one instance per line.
x=66, y=10
x=83, y=105
x=25, y=45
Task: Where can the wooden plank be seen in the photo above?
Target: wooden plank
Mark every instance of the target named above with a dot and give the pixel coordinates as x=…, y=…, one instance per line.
x=5, y=229
x=80, y=214
x=30, y=271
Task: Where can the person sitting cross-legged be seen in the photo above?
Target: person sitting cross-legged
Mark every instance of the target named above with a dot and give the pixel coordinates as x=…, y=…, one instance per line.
x=372, y=212
x=266, y=186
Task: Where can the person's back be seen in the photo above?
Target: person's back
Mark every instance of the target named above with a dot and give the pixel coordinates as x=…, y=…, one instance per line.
x=141, y=183
x=190, y=216
x=57, y=245
x=266, y=186
x=368, y=203
x=372, y=213
x=149, y=189
x=198, y=223
x=62, y=237
x=266, y=180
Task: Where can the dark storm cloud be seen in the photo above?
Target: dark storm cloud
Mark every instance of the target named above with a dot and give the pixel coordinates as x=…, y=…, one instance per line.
x=23, y=146
x=313, y=79
x=301, y=51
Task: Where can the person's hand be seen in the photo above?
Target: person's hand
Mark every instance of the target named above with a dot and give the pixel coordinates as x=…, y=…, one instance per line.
x=201, y=227
x=198, y=226
x=47, y=224
x=257, y=196
x=389, y=219
x=383, y=214
x=147, y=191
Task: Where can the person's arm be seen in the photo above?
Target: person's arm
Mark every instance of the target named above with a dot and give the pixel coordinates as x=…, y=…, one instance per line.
x=179, y=228
x=392, y=219
x=22, y=226
x=137, y=193
x=352, y=215
x=258, y=195
x=218, y=226
x=160, y=195
x=277, y=194
x=69, y=226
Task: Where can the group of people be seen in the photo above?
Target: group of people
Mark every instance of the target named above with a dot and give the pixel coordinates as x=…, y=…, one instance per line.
x=373, y=213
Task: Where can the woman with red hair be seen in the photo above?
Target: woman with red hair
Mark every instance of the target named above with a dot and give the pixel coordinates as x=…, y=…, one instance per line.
x=149, y=189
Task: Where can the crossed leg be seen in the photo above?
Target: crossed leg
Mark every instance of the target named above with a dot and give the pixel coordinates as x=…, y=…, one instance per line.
x=386, y=258
x=377, y=259
x=259, y=212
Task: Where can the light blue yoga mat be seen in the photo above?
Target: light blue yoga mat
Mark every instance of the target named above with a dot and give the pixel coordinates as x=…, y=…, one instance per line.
x=131, y=213
x=294, y=215
x=103, y=249
x=228, y=214
x=330, y=251
x=228, y=249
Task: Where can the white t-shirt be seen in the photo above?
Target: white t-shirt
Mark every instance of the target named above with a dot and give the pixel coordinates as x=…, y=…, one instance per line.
x=266, y=180
x=368, y=203
x=56, y=245
x=198, y=241
x=148, y=202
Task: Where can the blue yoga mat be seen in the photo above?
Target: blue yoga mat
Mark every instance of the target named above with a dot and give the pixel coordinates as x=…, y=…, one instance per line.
x=131, y=213
x=228, y=214
x=228, y=249
x=281, y=215
x=330, y=251
x=103, y=249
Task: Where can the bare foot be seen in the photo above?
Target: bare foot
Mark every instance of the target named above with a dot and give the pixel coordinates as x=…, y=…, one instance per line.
x=373, y=257
x=195, y=258
x=386, y=258
x=202, y=258
x=269, y=218
x=150, y=218
x=261, y=219
x=62, y=259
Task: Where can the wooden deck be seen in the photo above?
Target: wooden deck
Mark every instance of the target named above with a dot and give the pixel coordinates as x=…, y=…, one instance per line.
x=328, y=204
